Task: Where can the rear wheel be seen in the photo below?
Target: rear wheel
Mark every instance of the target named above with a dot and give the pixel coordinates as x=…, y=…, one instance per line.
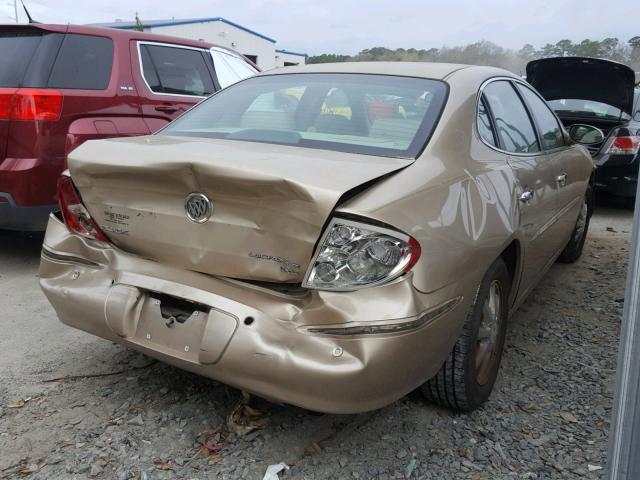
x=573, y=250
x=466, y=379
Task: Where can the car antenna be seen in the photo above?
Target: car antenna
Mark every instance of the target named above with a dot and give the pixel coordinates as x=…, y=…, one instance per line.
x=31, y=20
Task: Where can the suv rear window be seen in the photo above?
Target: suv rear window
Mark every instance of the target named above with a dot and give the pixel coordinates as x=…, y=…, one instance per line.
x=40, y=59
x=83, y=62
x=176, y=70
x=17, y=49
x=369, y=114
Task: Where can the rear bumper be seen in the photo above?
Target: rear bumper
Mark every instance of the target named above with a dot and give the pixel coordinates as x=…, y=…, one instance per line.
x=111, y=294
x=617, y=174
x=622, y=186
x=16, y=217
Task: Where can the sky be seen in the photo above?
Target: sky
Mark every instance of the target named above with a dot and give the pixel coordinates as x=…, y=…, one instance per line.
x=348, y=26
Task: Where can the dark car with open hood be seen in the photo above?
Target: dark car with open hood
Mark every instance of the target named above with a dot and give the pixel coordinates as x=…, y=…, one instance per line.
x=598, y=93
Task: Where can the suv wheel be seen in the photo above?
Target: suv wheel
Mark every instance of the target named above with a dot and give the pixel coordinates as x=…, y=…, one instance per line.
x=467, y=377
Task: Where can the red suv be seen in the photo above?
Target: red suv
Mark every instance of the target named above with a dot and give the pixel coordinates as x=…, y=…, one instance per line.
x=61, y=85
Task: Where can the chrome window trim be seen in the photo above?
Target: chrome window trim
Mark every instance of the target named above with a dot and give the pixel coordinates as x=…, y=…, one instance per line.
x=170, y=45
x=562, y=131
x=534, y=125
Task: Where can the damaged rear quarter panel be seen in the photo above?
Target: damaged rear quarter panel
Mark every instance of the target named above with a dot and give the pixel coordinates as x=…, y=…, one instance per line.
x=457, y=200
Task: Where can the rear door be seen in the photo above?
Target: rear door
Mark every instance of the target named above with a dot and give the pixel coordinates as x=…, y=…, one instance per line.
x=170, y=79
x=92, y=74
x=535, y=173
x=567, y=163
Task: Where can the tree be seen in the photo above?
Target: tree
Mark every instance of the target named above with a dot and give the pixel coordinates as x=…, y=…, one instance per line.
x=634, y=55
x=139, y=26
x=565, y=47
x=487, y=53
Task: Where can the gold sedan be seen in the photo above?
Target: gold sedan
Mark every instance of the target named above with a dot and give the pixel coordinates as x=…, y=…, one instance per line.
x=328, y=236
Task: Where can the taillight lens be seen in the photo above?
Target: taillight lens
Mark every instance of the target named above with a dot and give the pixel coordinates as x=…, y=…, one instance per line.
x=76, y=216
x=30, y=104
x=354, y=255
x=628, y=145
x=6, y=97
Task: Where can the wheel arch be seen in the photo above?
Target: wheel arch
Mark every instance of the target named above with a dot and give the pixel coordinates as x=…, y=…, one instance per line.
x=511, y=255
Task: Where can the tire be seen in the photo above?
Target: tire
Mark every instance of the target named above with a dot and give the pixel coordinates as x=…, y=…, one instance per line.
x=573, y=250
x=462, y=384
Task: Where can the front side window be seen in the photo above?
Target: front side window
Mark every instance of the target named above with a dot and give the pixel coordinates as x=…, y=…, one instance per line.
x=83, y=62
x=230, y=68
x=175, y=70
x=513, y=125
x=369, y=114
x=550, y=131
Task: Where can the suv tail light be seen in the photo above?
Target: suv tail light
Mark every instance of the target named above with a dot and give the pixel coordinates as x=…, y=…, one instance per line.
x=76, y=216
x=624, y=145
x=30, y=104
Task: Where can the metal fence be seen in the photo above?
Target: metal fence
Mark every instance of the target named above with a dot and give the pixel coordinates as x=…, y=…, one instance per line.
x=624, y=439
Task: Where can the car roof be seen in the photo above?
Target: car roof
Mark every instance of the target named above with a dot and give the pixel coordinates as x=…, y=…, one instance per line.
x=109, y=32
x=406, y=69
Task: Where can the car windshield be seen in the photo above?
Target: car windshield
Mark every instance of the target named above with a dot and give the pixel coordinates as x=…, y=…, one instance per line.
x=587, y=107
x=356, y=113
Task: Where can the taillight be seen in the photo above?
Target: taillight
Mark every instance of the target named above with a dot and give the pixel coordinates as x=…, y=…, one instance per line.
x=354, y=255
x=6, y=97
x=30, y=104
x=76, y=216
x=624, y=145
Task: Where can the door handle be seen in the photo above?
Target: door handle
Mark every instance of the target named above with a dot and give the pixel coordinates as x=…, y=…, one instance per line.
x=526, y=196
x=166, y=108
x=562, y=179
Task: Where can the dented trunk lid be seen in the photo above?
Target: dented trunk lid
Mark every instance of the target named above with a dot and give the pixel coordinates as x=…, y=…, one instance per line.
x=269, y=203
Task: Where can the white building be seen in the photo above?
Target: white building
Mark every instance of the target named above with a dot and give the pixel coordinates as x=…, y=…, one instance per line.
x=217, y=30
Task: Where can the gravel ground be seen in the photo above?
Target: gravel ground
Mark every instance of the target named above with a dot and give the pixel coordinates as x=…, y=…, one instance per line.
x=548, y=417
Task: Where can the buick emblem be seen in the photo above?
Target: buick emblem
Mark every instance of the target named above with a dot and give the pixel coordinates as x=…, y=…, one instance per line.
x=198, y=207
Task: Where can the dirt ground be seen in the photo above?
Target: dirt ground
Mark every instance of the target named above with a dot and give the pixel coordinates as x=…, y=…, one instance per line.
x=548, y=417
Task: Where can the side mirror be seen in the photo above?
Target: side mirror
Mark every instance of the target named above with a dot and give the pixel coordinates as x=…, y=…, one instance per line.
x=585, y=134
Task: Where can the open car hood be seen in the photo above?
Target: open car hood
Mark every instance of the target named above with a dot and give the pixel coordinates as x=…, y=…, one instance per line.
x=583, y=78
x=269, y=203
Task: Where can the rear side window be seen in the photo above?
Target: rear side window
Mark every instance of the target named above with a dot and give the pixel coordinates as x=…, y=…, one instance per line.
x=83, y=62
x=175, y=70
x=513, y=125
x=17, y=49
x=485, y=127
x=550, y=131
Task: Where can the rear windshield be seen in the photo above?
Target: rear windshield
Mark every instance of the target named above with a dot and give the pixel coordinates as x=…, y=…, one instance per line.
x=17, y=49
x=587, y=108
x=357, y=113
x=34, y=58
